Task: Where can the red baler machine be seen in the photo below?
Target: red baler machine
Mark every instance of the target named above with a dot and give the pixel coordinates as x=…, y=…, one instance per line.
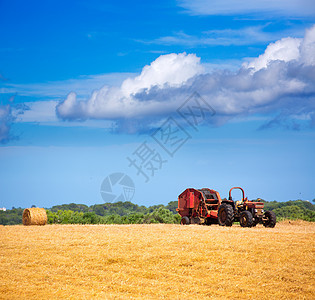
x=199, y=206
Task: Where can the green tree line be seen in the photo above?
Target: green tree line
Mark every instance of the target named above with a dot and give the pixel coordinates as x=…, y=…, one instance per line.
x=159, y=215
x=129, y=213
x=294, y=210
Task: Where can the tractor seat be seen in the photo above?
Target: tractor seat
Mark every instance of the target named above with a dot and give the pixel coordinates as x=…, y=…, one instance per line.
x=238, y=203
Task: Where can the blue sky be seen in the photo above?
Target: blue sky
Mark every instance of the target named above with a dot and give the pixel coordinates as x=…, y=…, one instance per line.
x=85, y=84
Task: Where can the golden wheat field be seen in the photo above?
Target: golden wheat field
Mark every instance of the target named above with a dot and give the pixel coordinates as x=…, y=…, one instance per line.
x=157, y=262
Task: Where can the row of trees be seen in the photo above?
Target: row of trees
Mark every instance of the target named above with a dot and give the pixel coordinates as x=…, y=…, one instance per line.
x=159, y=215
x=294, y=210
x=129, y=213
x=117, y=208
x=11, y=217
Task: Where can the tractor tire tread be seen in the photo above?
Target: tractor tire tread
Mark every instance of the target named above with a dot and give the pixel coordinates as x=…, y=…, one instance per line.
x=272, y=219
x=229, y=215
x=249, y=219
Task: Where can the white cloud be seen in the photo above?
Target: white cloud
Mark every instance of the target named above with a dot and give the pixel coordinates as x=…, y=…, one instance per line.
x=282, y=79
x=171, y=69
x=167, y=71
x=286, y=49
x=272, y=8
x=308, y=47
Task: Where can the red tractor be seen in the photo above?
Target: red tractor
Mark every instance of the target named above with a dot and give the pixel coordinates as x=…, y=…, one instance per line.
x=205, y=206
x=248, y=213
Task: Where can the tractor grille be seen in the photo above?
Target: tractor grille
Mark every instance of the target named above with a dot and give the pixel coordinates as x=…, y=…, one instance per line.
x=260, y=211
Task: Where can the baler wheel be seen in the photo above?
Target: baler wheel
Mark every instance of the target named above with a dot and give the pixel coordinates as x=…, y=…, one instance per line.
x=225, y=215
x=269, y=219
x=185, y=221
x=246, y=219
x=208, y=221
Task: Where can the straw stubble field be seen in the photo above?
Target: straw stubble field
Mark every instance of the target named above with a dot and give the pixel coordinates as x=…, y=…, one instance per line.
x=157, y=261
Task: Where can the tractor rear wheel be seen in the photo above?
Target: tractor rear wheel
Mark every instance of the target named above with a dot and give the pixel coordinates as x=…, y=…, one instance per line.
x=225, y=215
x=246, y=219
x=185, y=221
x=269, y=219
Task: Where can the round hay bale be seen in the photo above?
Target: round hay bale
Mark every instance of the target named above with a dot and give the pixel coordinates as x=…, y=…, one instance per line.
x=34, y=216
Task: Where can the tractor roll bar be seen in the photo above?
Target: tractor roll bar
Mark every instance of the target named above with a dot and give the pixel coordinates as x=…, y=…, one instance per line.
x=236, y=187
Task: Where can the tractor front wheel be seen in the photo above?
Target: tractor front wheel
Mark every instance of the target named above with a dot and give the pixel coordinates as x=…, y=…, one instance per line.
x=185, y=221
x=225, y=215
x=269, y=219
x=246, y=219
